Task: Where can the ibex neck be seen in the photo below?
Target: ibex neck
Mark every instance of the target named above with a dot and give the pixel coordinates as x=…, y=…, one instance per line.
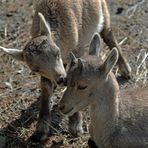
x=104, y=115
x=103, y=125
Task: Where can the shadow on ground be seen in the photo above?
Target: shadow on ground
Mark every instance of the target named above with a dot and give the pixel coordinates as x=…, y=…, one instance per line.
x=10, y=135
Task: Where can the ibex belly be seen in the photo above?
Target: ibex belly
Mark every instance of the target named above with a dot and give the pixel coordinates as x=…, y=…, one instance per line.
x=95, y=25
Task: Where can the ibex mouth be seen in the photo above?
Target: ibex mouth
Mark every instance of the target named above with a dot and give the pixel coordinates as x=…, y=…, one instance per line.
x=69, y=112
x=62, y=82
x=35, y=70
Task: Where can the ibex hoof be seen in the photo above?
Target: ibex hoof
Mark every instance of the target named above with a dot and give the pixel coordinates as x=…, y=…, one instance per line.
x=39, y=137
x=42, y=132
x=92, y=144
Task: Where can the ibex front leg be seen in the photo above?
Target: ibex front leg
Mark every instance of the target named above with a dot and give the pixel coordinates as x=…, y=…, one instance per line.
x=123, y=65
x=111, y=41
x=43, y=125
x=75, y=124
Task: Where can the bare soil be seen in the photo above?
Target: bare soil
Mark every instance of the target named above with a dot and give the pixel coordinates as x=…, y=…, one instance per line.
x=19, y=87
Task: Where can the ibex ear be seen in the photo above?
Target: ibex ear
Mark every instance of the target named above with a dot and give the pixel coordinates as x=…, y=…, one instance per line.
x=15, y=53
x=95, y=44
x=73, y=59
x=72, y=56
x=80, y=65
x=110, y=61
x=44, y=26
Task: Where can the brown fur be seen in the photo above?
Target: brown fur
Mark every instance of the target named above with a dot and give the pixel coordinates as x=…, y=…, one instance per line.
x=72, y=25
x=117, y=120
x=113, y=125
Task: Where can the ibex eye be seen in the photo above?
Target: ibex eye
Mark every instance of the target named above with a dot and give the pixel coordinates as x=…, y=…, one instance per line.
x=37, y=52
x=82, y=87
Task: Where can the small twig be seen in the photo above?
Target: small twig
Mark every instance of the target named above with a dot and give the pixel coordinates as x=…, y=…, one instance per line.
x=122, y=41
x=76, y=138
x=9, y=84
x=57, y=131
x=5, y=31
x=141, y=71
x=143, y=60
x=12, y=108
x=27, y=120
x=133, y=9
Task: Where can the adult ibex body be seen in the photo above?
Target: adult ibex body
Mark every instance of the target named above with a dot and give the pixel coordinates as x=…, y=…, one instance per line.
x=61, y=26
x=117, y=121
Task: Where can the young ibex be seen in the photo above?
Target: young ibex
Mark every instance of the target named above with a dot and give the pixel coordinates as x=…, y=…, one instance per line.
x=116, y=122
x=61, y=26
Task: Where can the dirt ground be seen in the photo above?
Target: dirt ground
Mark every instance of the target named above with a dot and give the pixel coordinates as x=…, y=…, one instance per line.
x=19, y=87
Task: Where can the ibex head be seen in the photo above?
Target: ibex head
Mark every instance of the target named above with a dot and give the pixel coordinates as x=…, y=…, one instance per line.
x=86, y=78
x=41, y=54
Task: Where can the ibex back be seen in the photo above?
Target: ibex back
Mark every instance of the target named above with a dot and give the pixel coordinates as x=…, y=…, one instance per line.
x=61, y=26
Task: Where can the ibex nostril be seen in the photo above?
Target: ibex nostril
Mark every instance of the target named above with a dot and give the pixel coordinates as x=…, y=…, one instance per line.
x=62, y=107
x=62, y=80
x=65, y=81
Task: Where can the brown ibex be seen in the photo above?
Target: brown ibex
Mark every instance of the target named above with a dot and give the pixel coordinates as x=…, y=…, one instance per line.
x=117, y=121
x=59, y=27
